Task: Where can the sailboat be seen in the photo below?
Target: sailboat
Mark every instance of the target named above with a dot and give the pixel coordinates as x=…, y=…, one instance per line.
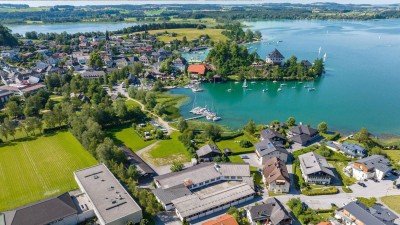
x=325, y=57
x=230, y=88
x=279, y=89
x=319, y=51
x=244, y=84
x=266, y=87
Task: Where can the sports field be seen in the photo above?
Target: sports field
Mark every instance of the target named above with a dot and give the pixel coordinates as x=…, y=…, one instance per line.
x=36, y=169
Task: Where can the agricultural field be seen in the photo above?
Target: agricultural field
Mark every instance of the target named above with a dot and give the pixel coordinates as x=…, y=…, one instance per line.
x=167, y=151
x=207, y=21
x=127, y=136
x=38, y=168
x=190, y=33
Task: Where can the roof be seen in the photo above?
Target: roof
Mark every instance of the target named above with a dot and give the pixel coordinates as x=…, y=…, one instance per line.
x=303, y=129
x=108, y=196
x=306, y=63
x=89, y=74
x=275, y=169
x=197, y=69
x=362, y=213
x=202, y=172
x=4, y=92
x=207, y=149
x=312, y=163
x=302, y=138
x=353, y=149
x=33, y=87
x=267, y=146
x=134, y=159
x=225, y=219
x=382, y=213
x=378, y=162
x=270, y=133
x=169, y=194
x=272, y=209
x=275, y=54
x=192, y=204
x=42, y=212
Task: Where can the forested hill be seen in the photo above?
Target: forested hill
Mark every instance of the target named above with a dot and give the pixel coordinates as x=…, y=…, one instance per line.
x=6, y=38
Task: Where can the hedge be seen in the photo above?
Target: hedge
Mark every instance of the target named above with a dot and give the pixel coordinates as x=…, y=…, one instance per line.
x=327, y=191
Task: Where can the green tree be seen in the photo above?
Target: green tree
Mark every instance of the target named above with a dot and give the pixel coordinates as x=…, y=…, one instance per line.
x=182, y=125
x=291, y=121
x=322, y=127
x=176, y=167
x=6, y=38
x=212, y=132
x=151, y=100
x=13, y=109
x=10, y=127
x=324, y=151
x=362, y=136
x=95, y=60
x=250, y=127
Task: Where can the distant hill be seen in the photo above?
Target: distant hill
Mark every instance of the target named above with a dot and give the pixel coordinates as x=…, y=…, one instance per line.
x=6, y=38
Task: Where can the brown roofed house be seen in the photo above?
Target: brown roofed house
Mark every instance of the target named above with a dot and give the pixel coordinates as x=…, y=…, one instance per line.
x=225, y=219
x=276, y=176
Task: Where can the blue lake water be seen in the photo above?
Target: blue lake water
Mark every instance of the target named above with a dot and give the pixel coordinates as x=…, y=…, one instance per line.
x=361, y=87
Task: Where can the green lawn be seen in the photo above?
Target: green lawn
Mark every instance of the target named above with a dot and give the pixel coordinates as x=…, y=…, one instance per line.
x=392, y=202
x=171, y=104
x=190, y=33
x=39, y=168
x=235, y=159
x=347, y=181
x=168, y=151
x=127, y=136
x=130, y=104
x=234, y=145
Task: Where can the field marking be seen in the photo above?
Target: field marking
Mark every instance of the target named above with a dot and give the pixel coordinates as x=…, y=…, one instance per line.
x=40, y=178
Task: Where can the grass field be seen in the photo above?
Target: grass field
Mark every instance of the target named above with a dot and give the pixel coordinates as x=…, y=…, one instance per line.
x=39, y=168
x=190, y=33
x=208, y=21
x=392, y=202
x=168, y=151
x=127, y=136
x=234, y=145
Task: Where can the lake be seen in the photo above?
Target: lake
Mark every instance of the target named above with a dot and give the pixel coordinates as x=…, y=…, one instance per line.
x=69, y=28
x=361, y=87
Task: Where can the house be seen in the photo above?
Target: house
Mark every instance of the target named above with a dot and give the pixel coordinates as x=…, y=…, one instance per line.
x=58, y=210
x=225, y=219
x=93, y=74
x=267, y=149
x=276, y=176
x=372, y=167
x=133, y=159
x=179, y=64
x=197, y=70
x=356, y=212
x=275, y=57
x=144, y=59
x=303, y=135
x=315, y=169
x=134, y=80
x=112, y=204
x=4, y=96
x=272, y=135
x=208, y=152
x=353, y=150
x=306, y=64
x=271, y=212
x=205, y=188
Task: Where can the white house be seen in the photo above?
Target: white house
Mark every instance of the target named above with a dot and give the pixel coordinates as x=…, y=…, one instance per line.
x=315, y=169
x=268, y=149
x=275, y=57
x=372, y=167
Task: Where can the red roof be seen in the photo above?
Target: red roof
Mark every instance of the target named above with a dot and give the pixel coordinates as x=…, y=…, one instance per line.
x=197, y=69
x=222, y=220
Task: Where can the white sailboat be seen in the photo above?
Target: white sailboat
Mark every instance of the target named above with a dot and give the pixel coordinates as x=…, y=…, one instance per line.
x=325, y=57
x=319, y=51
x=244, y=84
x=279, y=89
x=266, y=87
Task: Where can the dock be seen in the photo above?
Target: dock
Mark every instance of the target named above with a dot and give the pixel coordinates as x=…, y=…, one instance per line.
x=195, y=117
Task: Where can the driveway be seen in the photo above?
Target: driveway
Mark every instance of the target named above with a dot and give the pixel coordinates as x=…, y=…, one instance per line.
x=252, y=159
x=168, y=218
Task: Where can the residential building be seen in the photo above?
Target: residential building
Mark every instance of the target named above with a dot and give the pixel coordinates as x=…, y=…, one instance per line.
x=180, y=64
x=93, y=74
x=315, y=169
x=272, y=212
x=197, y=70
x=356, y=213
x=306, y=64
x=303, y=134
x=144, y=59
x=225, y=219
x=208, y=152
x=353, y=150
x=273, y=135
x=267, y=149
x=276, y=176
x=275, y=57
x=133, y=159
x=372, y=167
x=4, y=96
x=112, y=204
x=203, y=189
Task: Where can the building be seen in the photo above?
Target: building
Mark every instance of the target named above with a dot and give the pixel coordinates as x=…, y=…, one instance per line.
x=272, y=212
x=225, y=219
x=357, y=213
x=353, y=150
x=372, y=167
x=208, y=152
x=197, y=70
x=93, y=74
x=303, y=135
x=275, y=57
x=273, y=135
x=58, y=210
x=276, y=176
x=267, y=149
x=204, y=189
x=180, y=64
x=4, y=96
x=112, y=204
x=315, y=169
x=144, y=59
x=133, y=159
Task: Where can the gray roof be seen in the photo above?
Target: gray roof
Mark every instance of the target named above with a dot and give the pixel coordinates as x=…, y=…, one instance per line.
x=275, y=54
x=138, y=162
x=382, y=213
x=192, y=204
x=272, y=209
x=207, y=149
x=363, y=213
x=267, y=146
x=169, y=194
x=303, y=129
x=301, y=138
x=353, y=149
x=202, y=172
x=42, y=212
x=378, y=162
x=312, y=163
x=108, y=196
x=270, y=133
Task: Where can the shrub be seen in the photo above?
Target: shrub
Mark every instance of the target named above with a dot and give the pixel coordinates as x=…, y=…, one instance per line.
x=347, y=190
x=245, y=144
x=326, y=191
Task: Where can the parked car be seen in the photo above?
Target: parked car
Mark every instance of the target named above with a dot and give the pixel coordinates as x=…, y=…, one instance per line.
x=361, y=184
x=244, y=157
x=333, y=204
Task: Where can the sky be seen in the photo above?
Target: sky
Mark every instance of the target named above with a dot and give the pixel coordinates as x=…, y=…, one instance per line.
x=116, y=2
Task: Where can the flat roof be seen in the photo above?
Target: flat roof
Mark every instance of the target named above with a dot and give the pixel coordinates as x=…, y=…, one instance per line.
x=108, y=196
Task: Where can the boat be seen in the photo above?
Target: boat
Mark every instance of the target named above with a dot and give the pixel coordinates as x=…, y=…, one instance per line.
x=319, y=51
x=236, y=82
x=311, y=89
x=216, y=118
x=253, y=82
x=229, y=90
x=274, y=81
x=284, y=84
x=300, y=82
x=244, y=84
x=324, y=57
x=293, y=87
x=197, y=89
x=279, y=89
x=265, y=90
